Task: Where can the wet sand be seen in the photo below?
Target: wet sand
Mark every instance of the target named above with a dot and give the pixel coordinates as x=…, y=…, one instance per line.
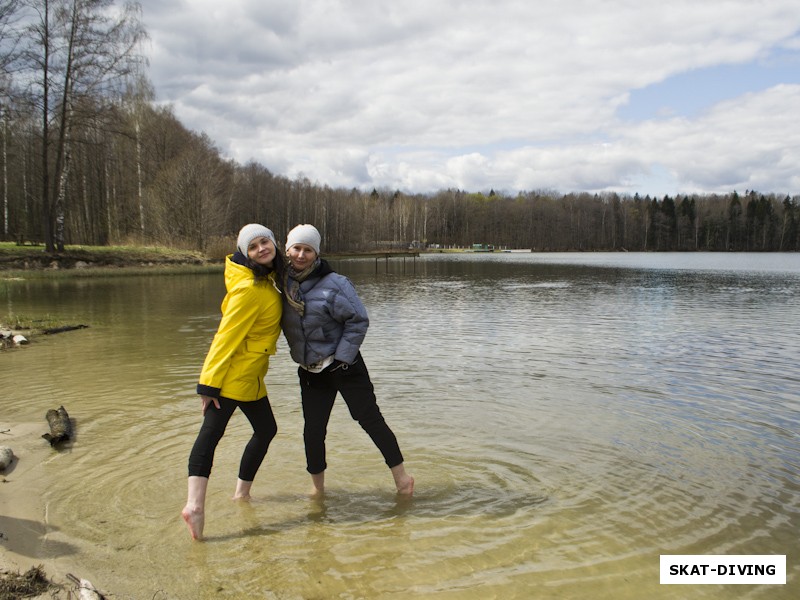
x=23, y=512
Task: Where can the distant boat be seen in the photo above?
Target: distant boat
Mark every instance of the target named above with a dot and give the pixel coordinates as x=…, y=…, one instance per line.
x=518, y=250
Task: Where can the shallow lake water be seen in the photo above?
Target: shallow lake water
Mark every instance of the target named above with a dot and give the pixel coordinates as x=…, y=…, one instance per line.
x=568, y=418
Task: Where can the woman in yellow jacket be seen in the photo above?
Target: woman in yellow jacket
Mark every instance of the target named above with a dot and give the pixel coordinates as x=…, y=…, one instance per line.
x=235, y=366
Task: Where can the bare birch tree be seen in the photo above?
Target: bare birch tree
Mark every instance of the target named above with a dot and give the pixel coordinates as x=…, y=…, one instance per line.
x=74, y=49
x=9, y=45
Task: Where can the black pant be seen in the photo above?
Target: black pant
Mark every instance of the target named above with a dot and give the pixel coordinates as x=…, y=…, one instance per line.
x=259, y=413
x=319, y=392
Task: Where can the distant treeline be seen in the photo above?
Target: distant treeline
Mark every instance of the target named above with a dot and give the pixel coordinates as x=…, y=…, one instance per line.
x=88, y=157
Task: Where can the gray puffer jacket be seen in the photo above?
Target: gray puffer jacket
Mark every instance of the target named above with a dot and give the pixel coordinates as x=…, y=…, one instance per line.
x=334, y=322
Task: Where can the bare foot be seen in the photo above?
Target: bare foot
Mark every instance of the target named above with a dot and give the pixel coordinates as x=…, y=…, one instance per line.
x=406, y=487
x=402, y=480
x=242, y=490
x=195, y=519
x=318, y=485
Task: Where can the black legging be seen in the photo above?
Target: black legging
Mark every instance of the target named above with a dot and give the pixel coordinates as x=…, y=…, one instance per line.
x=318, y=394
x=259, y=413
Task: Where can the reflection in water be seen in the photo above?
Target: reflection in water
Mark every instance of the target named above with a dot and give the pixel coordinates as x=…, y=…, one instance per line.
x=568, y=418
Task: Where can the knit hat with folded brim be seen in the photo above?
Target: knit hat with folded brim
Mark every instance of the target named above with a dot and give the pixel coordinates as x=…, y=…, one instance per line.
x=304, y=234
x=250, y=232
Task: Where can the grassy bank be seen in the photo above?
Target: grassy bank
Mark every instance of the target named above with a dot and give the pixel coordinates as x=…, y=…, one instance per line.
x=87, y=261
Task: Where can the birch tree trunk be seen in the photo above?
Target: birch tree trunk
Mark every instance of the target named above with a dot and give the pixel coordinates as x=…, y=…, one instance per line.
x=139, y=177
x=61, y=193
x=5, y=175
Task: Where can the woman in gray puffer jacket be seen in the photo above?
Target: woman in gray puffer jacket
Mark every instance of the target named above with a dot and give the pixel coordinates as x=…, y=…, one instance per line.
x=325, y=322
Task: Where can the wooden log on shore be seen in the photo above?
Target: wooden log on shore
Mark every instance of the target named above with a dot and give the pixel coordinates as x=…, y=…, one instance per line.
x=60, y=426
x=53, y=330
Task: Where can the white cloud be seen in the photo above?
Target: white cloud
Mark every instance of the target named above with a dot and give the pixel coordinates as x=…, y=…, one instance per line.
x=509, y=95
x=747, y=143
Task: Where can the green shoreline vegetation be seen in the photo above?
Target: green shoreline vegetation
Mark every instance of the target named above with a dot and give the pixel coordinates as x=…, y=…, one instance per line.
x=26, y=261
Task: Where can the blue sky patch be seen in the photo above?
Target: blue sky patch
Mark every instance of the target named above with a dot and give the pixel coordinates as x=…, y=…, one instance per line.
x=689, y=94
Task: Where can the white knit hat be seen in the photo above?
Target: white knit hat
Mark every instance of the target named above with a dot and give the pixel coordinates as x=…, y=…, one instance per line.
x=250, y=232
x=304, y=234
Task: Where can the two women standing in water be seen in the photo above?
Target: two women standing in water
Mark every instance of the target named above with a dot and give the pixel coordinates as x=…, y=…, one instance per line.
x=324, y=322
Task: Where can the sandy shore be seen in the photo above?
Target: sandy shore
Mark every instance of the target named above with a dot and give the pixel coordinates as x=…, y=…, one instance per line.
x=23, y=526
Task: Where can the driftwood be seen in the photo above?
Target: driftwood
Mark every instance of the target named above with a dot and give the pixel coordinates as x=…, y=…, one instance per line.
x=63, y=329
x=6, y=457
x=60, y=426
x=86, y=591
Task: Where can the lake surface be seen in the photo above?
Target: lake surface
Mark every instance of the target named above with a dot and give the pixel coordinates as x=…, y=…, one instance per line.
x=568, y=418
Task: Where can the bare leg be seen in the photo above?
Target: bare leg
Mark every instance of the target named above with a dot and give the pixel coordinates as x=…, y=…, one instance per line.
x=242, y=490
x=318, y=481
x=403, y=481
x=194, y=511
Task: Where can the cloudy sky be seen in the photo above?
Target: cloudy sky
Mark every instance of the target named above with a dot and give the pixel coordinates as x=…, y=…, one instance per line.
x=631, y=96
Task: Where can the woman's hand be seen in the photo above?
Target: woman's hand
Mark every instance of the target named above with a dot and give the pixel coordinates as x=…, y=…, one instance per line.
x=207, y=400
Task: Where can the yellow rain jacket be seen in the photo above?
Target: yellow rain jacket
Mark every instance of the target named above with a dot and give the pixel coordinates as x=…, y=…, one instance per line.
x=238, y=359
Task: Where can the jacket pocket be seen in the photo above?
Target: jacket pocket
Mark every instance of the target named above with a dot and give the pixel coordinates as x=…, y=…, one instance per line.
x=265, y=346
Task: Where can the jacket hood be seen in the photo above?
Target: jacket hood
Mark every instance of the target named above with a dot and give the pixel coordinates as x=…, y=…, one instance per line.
x=323, y=269
x=236, y=273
